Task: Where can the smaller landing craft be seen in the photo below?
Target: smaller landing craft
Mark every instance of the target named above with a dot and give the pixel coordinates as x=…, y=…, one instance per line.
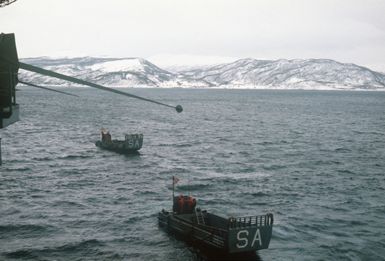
x=224, y=238
x=130, y=145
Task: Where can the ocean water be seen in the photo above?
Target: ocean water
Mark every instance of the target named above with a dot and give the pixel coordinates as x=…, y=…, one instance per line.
x=315, y=159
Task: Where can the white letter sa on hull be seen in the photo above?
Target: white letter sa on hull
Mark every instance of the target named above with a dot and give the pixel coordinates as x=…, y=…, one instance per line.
x=243, y=239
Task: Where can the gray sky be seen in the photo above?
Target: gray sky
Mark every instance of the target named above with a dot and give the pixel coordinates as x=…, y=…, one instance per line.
x=344, y=30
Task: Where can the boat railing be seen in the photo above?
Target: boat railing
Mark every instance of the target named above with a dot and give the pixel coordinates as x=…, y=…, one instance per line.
x=133, y=136
x=199, y=216
x=212, y=235
x=251, y=221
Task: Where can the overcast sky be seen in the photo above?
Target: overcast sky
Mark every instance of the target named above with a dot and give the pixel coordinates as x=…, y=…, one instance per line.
x=344, y=30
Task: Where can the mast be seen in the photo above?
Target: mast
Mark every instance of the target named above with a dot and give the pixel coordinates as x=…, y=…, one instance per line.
x=173, y=185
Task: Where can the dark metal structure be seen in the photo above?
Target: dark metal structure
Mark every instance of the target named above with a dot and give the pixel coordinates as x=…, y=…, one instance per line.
x=9, y=67
x=6, y=2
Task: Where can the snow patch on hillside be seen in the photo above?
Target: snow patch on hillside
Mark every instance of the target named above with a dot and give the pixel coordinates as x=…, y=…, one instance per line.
x=118, y=65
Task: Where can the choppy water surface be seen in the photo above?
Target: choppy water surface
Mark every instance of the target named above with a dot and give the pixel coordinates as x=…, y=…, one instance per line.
x=315, y=159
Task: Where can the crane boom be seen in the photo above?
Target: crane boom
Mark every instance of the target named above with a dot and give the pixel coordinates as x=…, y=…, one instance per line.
x=42, y=71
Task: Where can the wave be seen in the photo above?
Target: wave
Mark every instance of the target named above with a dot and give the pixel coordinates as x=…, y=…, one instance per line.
x=342, y=150
x=21, y=169
x=22, y=254
x=182, y=145
x=257, y=194
x=43, y=158
x=25, y=230
x=274, y=167
x=71, y=157
x=345, y=171
x=78, y=250
x=139, y=217
x=64, y=203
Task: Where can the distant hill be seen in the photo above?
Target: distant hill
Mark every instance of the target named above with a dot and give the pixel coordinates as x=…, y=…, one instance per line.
x=245, y=73
x=113, y=72
x=290, y=74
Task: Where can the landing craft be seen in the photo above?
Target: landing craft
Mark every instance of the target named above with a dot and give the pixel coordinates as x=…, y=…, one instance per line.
x=130, y=145
x=225, y=238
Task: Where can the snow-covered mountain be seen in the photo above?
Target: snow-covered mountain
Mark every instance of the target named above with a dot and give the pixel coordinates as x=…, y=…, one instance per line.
x=290, y=74
x=113, y=72
x=244, y=73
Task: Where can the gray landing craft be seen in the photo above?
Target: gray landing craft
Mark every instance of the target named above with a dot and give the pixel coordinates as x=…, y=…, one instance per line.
x=225, y=238
x=130, y=145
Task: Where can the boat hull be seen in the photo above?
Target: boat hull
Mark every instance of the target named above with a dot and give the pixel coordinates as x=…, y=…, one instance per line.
x=224, y=241
x=131, y=145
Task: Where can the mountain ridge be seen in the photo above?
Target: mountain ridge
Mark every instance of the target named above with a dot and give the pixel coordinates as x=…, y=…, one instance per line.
x=250, y=73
